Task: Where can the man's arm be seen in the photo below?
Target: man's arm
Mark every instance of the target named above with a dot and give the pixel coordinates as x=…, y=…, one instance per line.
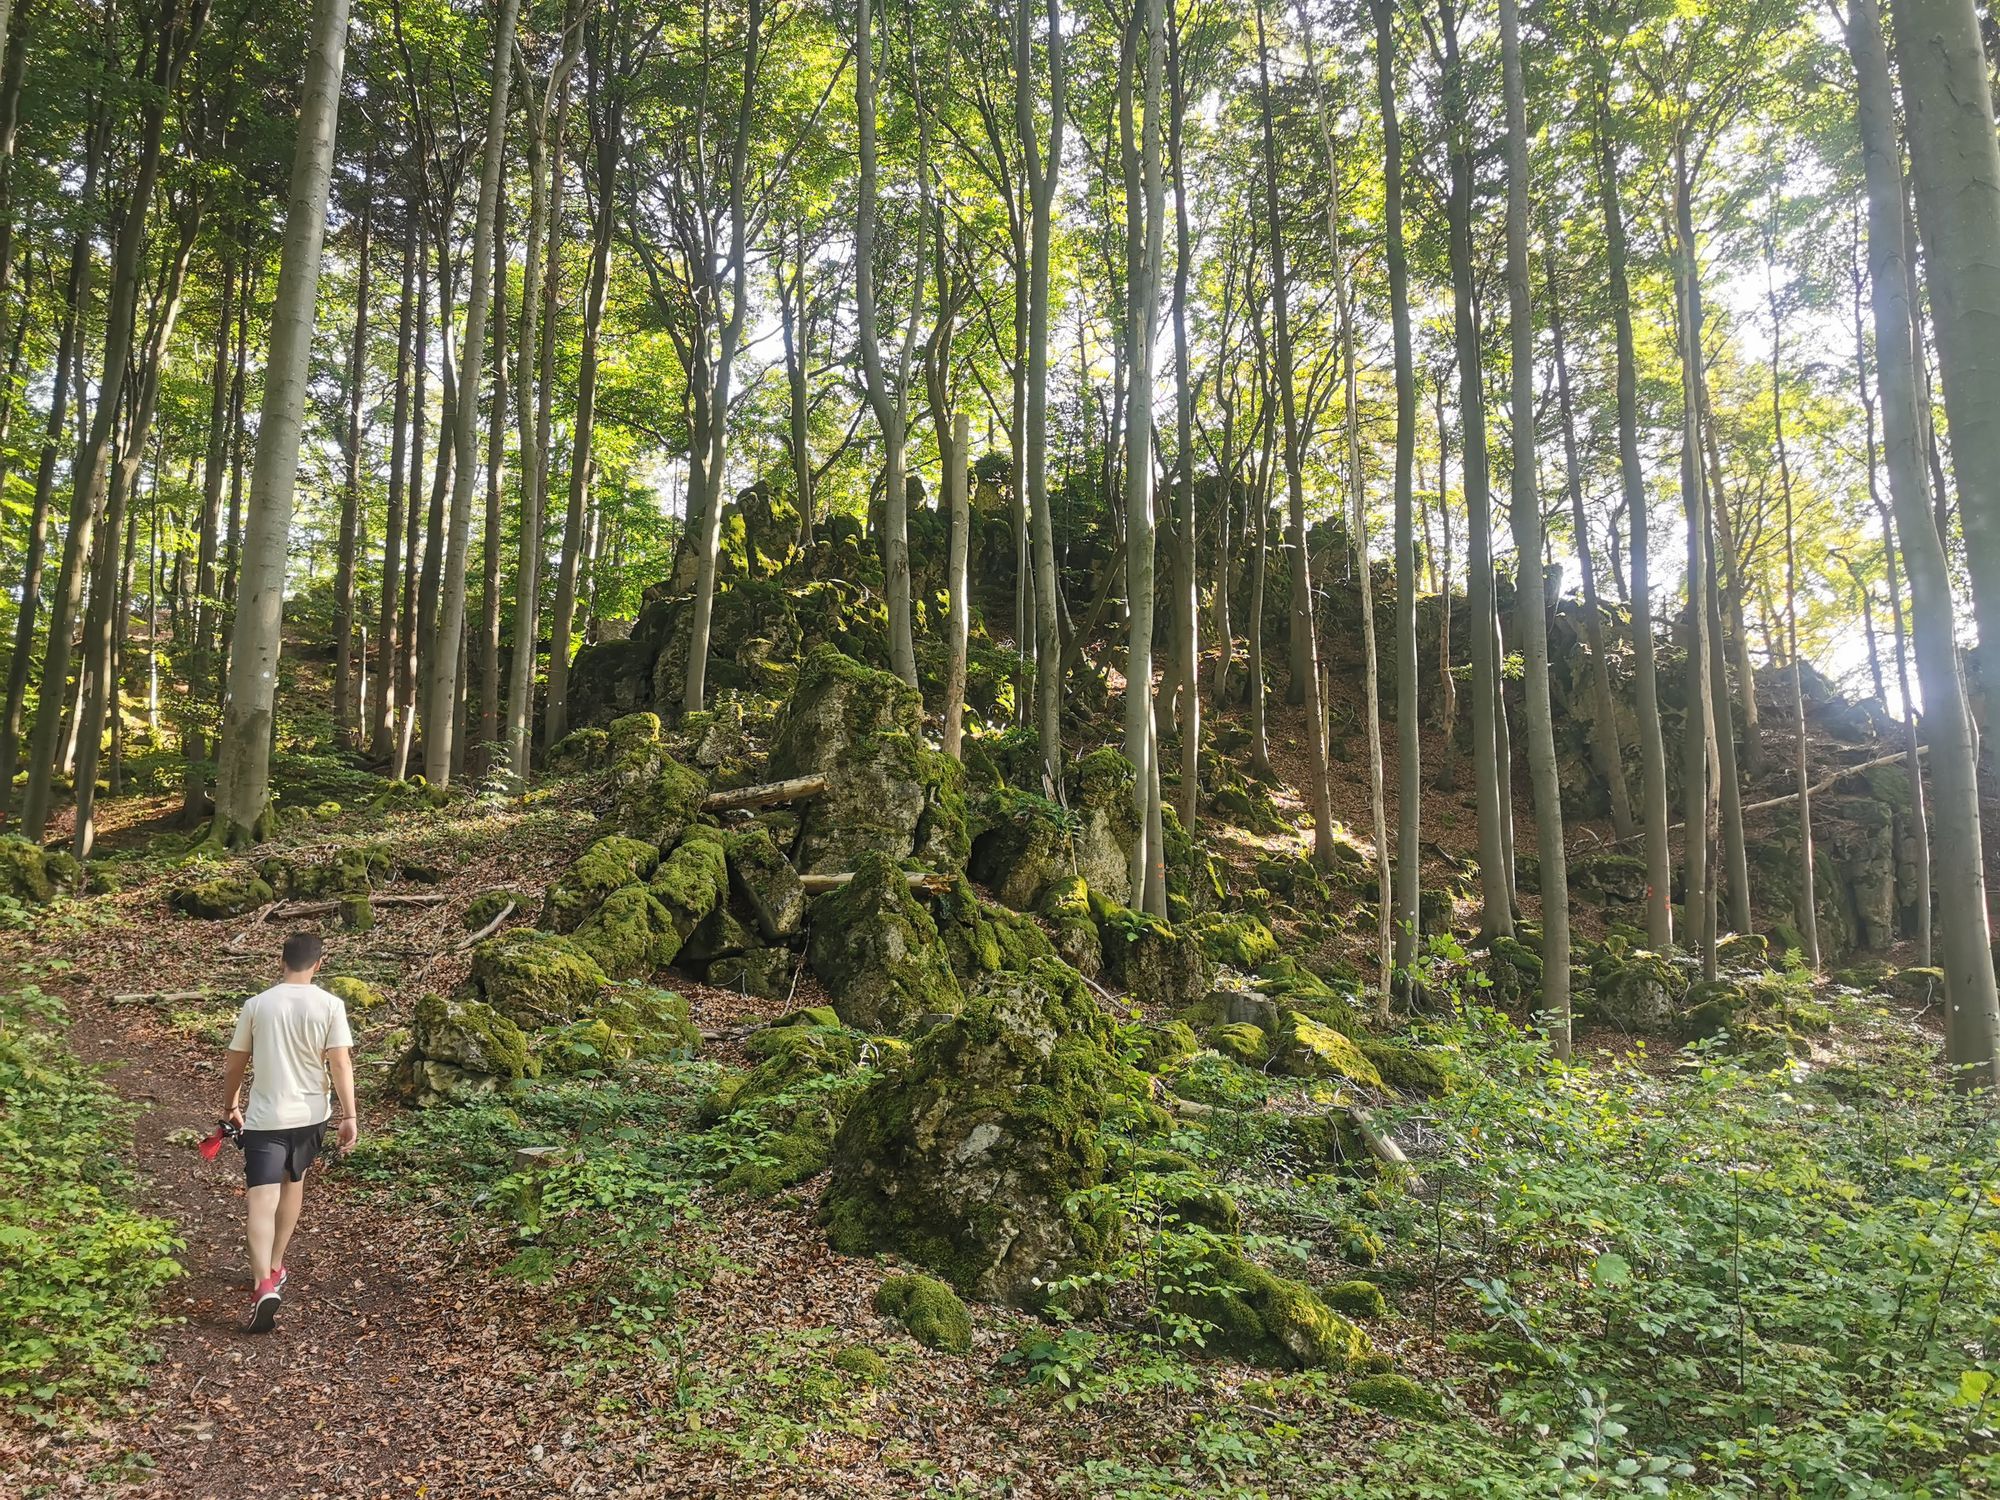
x=341, y=1061
x=234, y=1065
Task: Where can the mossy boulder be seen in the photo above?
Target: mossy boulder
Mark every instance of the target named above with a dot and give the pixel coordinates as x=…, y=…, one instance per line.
x=1158, y=963
x=607, y=865
x=649, y=1023
x=863, y=1363
x=581, y=750
x=1065, y=906
x=653, y=796
x=1396, y=1396
x=1269, y=1319
x=1608, y=879
x=783, y=1113
x=460, y=1049
x=486, y=907
x=1412, y=1070
x=339, y=870
x=1165, y=1045
x=930, y=1312
x=535, y=978
x=887, y=791
x=966, y=1158
x=1514, y=972
x=1638, y=991
x=693, y=881
x=1107, y=822
x=588, y=1046
x=766, y=883
x=1743, y=950
x=1234, y=938
x=764, y=972
x=630, y=935
x=1024, y=850
x=1916, y=984
x=25, y=871
x=223, y=896
x=358, y=995
x=876, y=949
x=1242, y=1043
x=1308, y=1048
x=1356, y=1299
x=983, y=938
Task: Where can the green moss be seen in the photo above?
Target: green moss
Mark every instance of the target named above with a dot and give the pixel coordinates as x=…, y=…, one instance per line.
x=458, y=1049
x=1271, y=1319
x=654, y=796
x=877, y=951
x=24, y=871
x=784, y=1112
x=863, y=1363
x=1065, y=905
x=1396, y=1396
x=761, y=875
x=931, y=1312
x=357, y=995
x=1234, y=938
x=1413, y=1070
x=693, y=880
x=1500, y=1349
x=535, y=978
x=1306, y=1048
x=632, y=732
x=1241, y=1043
x=1165, y=1045
x=486, y=907
x=581, y=1047
x=223, y=896
x=653, y=1023
x=983, y=938
x=607, y=865
x=580, y=750
x=1356, y=1299
x=630, y=934
x=1743, y=950
x=1157, y=962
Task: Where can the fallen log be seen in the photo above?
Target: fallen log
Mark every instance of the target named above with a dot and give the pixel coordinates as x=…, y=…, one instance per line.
x=488, y=930
x=766, y=794
x=321, y=908
x=816, y=885
x=168, y=997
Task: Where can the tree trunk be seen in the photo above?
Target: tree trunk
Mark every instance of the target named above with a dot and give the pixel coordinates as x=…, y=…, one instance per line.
x=1972, y=1040
x=351, y=517
x=383, y=724
x=1187, y=628
x=440, y=727
x=1695, y=764
x=955, y=454
x=496, y=467
x=406, y=634
x=1041, y=172
x=1652, y=743
x=244, y=761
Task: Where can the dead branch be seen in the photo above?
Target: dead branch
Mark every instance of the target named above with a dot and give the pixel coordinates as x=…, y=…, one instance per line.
x=488, y=930
x=766, y=794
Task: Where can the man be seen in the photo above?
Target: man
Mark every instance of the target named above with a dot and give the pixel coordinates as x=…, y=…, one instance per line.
x=291, y=1038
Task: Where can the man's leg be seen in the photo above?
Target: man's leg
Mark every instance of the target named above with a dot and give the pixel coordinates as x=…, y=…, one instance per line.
x=262, y=1203
x=291, y=1198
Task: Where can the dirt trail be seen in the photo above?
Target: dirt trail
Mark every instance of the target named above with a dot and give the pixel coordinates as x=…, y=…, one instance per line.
x=377, y=1380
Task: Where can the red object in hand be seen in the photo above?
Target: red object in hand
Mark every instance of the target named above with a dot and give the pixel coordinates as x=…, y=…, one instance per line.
x=225, y=1130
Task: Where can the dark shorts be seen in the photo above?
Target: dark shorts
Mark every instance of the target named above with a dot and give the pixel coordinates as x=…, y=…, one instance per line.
x=274, y=1156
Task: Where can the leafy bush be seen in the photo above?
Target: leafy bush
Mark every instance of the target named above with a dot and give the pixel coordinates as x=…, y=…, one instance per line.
x=79, y=1267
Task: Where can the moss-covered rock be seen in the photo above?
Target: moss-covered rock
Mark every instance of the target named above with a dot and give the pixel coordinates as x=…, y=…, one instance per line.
x=783, y=1113
x=1396, y=1396
x=1638, y=991
x=930, y=1312
x=486, y=907
x=580, y=750
x=1242, y=1043
x=877, y=951
x=535, y=978
x=1271, y=1319
x=1514, y=971
x=1743, y=950
x=223, y=896
x=863, y=1363
x=1234, y=938
x=460, y=1049
x=1308, y=1048
x=693, y=881
x=1356, y=1299
x=609, y=864
x=329, y=871
x=1065, y=906
x=649, y=1023
x=630, y=935
x=764, y=972
x=1107, y=823
x=966, y=1158
x=588, y=1046
x=1158, y=963
x=1024, y=850
x=1413, y=1070
x=653, y=796
x=983, y=938
x=1164, y=1046
x=1609, y=878
x=358, y=995
x=764, y=879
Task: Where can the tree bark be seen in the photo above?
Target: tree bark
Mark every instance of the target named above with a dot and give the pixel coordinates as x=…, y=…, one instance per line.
x=383, y=724
x=1041, y=172
x=1695, y=763
x=1972, y=1040
x=488, y=654
x=242, y=793
x=351, y=518
x=955, y=453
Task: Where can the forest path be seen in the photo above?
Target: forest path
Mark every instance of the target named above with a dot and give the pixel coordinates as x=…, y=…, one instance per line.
x=377, y=1380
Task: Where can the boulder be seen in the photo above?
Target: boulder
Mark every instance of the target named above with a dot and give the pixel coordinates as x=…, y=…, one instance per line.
x=630, y=934
x=1158, y=963
x=887, y=792
x=358, y=995
x=1065, y=906
x=930, y=1312
x=1307, y=1048
x=1269, y=1319
x=459, y=1049
x=535, y=978
x=764, y=972
x=764, y=879
x=693, y=881
x=722, y=934
x=606, y=866
x=965, y=1158
x=648, y=1022
x=653, y=796
x=983, y=938
x=223, y=896
x=1397, y=1396
x=1234, y=938
x=1025, y=852
x=877, y=951
x=1107, y=824
x=784, y=1111
x=486, y=907
x=1638, y=991
x=1608, y=878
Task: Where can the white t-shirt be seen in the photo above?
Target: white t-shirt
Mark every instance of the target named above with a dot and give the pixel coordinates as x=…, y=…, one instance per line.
x=287, y=1030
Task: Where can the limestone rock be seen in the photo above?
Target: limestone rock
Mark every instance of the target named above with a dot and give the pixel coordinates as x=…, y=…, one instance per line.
x=1025, y=853
x=1065, y=905
x=788, y=1107
x=965, y=1158
x=693, y=881
x=983, y=938
x=223, y=896
x=1639, y=992
x=877, y=951
x=1158, y=963
x=535, y=978
x=458, y=1049
x=764, y=972
x=1100, y=797
x=929, y=1311
x=630, y=934
x=1272, y=1319
x=648, y=1022
x=761, y=875
x=653, y=796
x=24, y=871
x=606, y=866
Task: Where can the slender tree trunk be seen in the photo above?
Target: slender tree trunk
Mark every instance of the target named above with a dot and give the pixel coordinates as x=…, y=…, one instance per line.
x=1304, y=672
x=956, y=452
x=607, y=133
x=1041, y=172
x=1920, y=835
x=496, y=468
x=382, y=728
x=1652, y=743
x=244, y=761
x=403, y=723
x=1605, y=747
x=1955, y=161
x=1447, y=777
x=1698, y=807
x=1260, y=562
x=1187, y=643
x=439, y=728
x=351, y=517
x=796, y=325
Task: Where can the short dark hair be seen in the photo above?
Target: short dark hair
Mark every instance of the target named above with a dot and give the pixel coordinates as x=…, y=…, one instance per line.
x=302, y=951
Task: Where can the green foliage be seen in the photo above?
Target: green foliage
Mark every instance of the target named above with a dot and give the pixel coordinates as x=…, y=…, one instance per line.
x=79, y=1266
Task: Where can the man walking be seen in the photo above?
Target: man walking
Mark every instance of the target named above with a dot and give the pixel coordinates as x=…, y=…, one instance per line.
x=292, y=1039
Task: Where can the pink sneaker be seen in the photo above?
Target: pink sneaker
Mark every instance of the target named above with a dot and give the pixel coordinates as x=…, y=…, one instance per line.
x=264, y=1314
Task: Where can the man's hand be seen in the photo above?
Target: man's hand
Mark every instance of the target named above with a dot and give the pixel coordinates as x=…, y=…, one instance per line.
x=349, y=1129
x=235, y=1115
